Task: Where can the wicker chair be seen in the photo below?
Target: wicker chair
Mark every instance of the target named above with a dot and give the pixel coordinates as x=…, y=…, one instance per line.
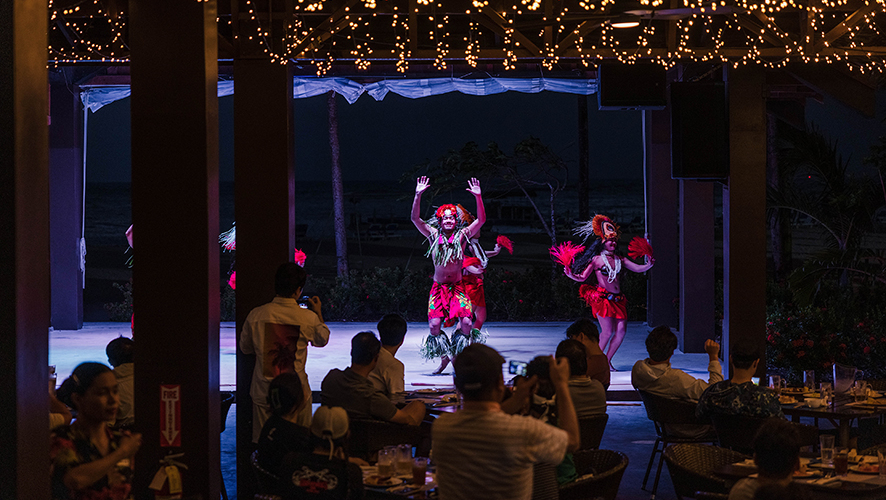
x=544, y=482
x=607, y=467
x=736, y=432
x=592, y=429
x=664, y=412
x=707, y=495
x=692, y=466
x=266, y=481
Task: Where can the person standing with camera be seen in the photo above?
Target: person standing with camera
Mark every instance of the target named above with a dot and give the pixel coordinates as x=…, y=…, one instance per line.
x=278, y=334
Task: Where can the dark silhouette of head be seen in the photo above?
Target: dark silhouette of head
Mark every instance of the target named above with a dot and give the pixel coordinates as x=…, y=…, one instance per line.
x=575, y=352
x=119, y=351
x=585, y=326
x=290, y=277
x=285, y=394
x=478, y=372
x=776, y=448
x=744, y=353
x=364, y=348
x=391, y=329
x=660, y=343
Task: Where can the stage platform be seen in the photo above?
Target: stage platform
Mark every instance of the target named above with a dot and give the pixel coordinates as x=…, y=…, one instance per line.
x=515, y=341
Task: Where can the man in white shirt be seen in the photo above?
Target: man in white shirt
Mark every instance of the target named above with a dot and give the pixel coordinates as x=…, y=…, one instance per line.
x=388, y=374
x=480, y=451
x=655, y=375
x=278, y=333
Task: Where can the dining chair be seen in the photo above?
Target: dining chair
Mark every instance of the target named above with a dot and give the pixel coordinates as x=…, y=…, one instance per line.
x=692, y=467
x=665, y=413
x=600, y=473
x=737, y=432
x=592, y=429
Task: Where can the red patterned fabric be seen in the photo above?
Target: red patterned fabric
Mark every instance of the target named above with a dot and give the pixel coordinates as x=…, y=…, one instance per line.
x=449, y=300
x=474, y=288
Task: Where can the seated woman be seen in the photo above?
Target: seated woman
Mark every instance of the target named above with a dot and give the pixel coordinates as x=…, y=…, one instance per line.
x=88, y=459
x=324, y=472
x=281, y=434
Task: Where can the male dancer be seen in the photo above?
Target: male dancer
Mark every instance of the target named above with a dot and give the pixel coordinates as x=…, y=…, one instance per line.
x=448, y=235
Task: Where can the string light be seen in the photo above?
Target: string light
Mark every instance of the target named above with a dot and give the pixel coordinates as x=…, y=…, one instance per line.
x=734, y=32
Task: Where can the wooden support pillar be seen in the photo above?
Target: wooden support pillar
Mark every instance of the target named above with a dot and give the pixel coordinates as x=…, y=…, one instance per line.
x=24, y=254
x=744, y=212
x=661, y=221
x=66, y=201
x=264, y=189
x=174, y=112
x=696, y=265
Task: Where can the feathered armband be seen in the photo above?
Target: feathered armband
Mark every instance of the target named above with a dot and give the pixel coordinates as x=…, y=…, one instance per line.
x=565, y=253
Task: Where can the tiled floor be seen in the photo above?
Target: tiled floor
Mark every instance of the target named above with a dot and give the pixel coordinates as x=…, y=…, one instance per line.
x=628, y=429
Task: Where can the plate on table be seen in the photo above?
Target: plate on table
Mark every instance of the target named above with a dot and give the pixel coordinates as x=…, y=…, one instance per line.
x=865, y=468
x=807, y=474
x=795, y=390
x=819, y=465
x=382, y=481
x=787, y=400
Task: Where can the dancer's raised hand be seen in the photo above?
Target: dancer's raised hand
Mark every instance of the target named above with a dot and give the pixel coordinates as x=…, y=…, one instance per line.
x=421, y=184
x=474, y=186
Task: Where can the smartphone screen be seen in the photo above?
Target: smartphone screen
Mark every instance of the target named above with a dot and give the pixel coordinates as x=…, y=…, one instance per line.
x=517, y=368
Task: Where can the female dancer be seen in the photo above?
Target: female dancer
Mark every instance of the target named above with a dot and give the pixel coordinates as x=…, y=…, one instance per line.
x=606, y=300
x=474, y=269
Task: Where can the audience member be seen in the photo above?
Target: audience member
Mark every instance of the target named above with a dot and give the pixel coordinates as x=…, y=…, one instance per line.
x=585, y=331
x=59, y=413
x=588, y=395
x=89, y=459
x=282, y=434
x=388, y=375
x=740, y=395
x=278, y=333
x=480, y=451
x=351, y=389
x=777, y=455
x=541, y=404
x=324, y=471
x=119, y=352
x=656, y=376
x=790, y=491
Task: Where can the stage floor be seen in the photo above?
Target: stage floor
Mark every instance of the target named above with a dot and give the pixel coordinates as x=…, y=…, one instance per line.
x=515, y=341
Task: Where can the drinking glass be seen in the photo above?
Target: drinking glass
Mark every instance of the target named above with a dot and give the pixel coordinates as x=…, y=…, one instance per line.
x=404, y=459
x=775, y=383
x=841, y=461
x=826, y=392
x=419, y=469
x=809, y=380
x=827, y=449
x=881, y=461
x=385, y=463
x=860, y=388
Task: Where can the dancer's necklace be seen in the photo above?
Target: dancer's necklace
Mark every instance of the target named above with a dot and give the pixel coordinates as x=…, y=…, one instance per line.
x=613, y=271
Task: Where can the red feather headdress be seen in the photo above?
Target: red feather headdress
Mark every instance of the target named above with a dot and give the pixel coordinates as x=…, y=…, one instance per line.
x=565, y=253
x=505, y=242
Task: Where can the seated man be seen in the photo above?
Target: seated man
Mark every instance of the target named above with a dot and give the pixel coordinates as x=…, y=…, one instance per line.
x=482, y=452
x=282, y=434
x=119, y=353
x=777, y=455
x=323, y=472
x=388, y=375
x=656, y=376
x=739, y=395
x=588, y=395
x=585, y=331
x=352, y=390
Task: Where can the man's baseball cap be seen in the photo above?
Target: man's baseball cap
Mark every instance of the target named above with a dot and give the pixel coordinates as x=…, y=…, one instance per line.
x=330, y=422
x=477, y=368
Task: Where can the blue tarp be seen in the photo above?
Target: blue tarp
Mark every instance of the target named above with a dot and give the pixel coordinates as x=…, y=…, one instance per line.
x=95, y=97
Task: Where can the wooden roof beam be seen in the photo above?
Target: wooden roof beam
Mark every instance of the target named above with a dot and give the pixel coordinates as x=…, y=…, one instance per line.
x=502, y=23
x=573, y=37
x=844, y=27
x=324, y=30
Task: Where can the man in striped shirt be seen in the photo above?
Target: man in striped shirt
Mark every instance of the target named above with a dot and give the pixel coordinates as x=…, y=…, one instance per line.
x=482, y=452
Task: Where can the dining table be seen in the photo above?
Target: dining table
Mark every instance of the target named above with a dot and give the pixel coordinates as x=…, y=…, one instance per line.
x=843, y=409
x=820, y=480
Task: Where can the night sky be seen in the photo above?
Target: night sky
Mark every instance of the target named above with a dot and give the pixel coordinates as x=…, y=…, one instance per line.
x=381, y=139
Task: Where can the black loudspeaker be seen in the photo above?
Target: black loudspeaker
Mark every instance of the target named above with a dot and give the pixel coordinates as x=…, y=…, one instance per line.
x=699, y=131
x=641, y=85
